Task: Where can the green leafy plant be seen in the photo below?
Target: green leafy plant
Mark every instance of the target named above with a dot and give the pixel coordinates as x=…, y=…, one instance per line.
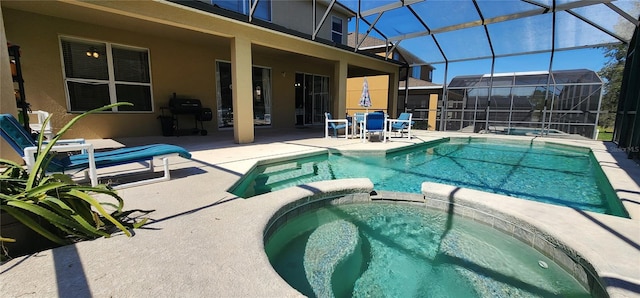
x=72, y=212
x=421, y=124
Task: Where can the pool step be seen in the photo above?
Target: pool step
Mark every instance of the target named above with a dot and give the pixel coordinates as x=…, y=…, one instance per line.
x=271, y=180
x=281, y=168
x=283, y=171
x=264, y=188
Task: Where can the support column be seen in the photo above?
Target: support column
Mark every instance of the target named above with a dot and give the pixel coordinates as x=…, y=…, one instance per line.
x=242, y=90
x=433, y=111
x=394, y=84
x=7, y=98
x=339, y=89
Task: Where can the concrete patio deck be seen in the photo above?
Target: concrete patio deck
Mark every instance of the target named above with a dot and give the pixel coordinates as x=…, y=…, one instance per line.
x=202, y=241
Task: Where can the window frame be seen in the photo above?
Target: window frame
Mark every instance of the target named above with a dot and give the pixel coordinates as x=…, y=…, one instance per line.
x=416, y=72
x=112, y=83
x=341, y=33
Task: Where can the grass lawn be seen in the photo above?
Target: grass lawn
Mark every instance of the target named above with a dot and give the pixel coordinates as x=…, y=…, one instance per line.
x=605, y=134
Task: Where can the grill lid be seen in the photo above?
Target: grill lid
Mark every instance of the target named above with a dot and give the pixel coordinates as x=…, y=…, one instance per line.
x=185, y=105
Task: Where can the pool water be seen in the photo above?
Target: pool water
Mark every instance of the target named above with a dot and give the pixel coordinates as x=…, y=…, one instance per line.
x=548, y=173
x=409, y=251
x=532, y=131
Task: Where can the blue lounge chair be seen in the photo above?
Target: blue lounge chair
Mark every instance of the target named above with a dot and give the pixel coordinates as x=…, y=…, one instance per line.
x=335, y=125
x=375, y=122
x=402, y=123
x=88, y=160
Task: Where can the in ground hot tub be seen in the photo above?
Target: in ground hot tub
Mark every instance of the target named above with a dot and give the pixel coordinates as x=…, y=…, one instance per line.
x=396, y=249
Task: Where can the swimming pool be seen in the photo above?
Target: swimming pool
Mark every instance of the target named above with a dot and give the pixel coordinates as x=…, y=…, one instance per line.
x=539, y=171
x=401, y=250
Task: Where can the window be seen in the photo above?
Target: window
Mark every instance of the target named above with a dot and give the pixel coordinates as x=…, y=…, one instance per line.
x=261, y=87
x=263, y=9
x=336, y=29
x=97, y=74
x=415, y=72
x=237, y=6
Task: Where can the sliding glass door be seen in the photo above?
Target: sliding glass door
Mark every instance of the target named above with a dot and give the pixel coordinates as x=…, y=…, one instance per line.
x=261, y=91
x=312, y=98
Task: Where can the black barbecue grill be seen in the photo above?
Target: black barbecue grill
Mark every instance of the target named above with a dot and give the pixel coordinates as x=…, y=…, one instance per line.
x=184, y=106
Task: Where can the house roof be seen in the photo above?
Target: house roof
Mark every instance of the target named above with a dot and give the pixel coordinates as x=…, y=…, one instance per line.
x=419, y=84
x=376, y=45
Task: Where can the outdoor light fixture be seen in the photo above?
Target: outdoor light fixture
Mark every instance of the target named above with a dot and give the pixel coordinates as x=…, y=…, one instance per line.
x=92, y=52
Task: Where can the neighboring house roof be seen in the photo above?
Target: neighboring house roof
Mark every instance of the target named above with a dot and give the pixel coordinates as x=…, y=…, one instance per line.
x=376, y=45
x=369, y=42
x=419, y=84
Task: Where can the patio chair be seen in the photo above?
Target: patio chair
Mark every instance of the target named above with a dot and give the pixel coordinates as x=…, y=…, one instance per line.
x=401, y=124
x=87, y=160
x=374, y=123
x=335, y=125
x=358, y=120
x=41, y=116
